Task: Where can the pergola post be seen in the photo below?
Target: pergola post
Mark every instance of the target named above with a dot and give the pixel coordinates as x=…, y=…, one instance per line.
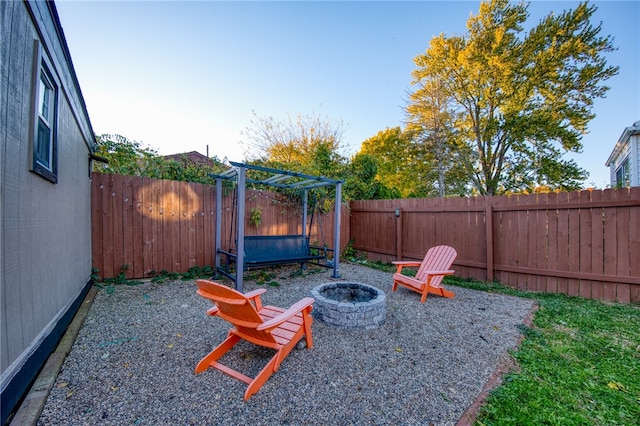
x=336, y=231
x=242, y=172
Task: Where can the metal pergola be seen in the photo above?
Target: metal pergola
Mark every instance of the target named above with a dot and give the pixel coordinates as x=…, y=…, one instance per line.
x=278, y=179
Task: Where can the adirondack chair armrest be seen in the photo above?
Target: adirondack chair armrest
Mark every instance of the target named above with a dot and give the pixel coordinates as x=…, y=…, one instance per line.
x=293, y=310
x=406, y=262
x=448, y=272
x=255, y=293
x=402, y=263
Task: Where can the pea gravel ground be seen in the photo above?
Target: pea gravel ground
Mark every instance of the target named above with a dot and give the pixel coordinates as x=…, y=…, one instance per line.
x=133, y=360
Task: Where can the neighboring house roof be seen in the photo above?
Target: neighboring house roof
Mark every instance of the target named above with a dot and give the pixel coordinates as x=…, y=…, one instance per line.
x=622, y=141
x=193, y=157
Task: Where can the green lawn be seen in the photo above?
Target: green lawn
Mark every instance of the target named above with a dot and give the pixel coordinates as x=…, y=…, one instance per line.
x=579, y=364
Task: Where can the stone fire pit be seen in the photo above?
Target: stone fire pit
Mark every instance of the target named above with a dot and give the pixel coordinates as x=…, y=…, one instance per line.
x=349, y=305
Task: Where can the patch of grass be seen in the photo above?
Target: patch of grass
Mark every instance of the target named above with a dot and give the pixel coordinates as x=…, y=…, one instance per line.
x=108, y=283
x=579, y=364
x=198, y=272
x=272, y=276
x=309, y=270
x=376, y=264
x=193, y=273
x=157, y=277
x=266, y=276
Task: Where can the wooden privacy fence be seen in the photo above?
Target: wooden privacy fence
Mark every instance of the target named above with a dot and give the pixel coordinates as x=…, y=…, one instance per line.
x=584, y=243
x=144, y=226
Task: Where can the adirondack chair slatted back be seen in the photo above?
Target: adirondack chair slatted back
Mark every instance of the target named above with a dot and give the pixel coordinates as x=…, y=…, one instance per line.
x=439, y=258
x=237, y=309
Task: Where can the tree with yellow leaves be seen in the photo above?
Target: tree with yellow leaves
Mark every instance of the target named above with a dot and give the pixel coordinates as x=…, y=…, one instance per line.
x=519, y=100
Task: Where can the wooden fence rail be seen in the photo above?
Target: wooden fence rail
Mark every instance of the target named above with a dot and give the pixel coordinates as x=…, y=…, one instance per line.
x=584, y=243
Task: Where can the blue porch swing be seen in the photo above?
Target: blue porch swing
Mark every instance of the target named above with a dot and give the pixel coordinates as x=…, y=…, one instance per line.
x=253, y=251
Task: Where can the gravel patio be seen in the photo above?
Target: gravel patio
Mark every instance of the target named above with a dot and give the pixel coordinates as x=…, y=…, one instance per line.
x=133, y=360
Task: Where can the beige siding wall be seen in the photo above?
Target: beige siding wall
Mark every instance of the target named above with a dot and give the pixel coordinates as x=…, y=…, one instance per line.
x=45, y=231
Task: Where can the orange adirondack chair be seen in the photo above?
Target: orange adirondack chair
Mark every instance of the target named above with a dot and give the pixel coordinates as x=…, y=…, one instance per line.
x=266, y=326
x=431, y=271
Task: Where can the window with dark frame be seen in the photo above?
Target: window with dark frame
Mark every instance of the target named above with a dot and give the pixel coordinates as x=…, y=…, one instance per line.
x=45, y=161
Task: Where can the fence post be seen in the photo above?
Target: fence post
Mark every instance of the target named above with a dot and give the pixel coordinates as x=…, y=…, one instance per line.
x=398, y=213
x=488, y=220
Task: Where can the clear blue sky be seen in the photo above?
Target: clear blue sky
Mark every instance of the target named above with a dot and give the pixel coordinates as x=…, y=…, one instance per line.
x=180, y=75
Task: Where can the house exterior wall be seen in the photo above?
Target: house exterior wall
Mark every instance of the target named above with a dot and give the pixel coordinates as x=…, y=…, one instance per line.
x=45, y=228
x=626, y=149
x=634, y=142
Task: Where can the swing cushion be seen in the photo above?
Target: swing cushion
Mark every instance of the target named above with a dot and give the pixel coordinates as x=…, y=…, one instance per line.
x=264, y=250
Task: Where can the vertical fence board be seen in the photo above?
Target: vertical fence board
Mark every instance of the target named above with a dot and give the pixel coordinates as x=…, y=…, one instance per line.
x=473, y=248
x=573, y=264
x=451, y=217
x=551, y=283
x=515, y=252
x=208, y=228
x=531, y=232
x=97, y=258
x=128, y=258
x=522, y=252
x=586, y=243
x=563, y=242
x=146, y=198
x=137, y=223
x=172, y=224
x=500, y=243
x=199, y=225
x=540, y=234
x=623, y=257
x=439, y=233
x=480, y=243
x=150, y=223
x=610, y=246
x=486, y=239
x=119, y=264
x=597, y=245
x=193, y=219
x=183, y=226
x=107, y=228
x=165, y=245
x=463, y=238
